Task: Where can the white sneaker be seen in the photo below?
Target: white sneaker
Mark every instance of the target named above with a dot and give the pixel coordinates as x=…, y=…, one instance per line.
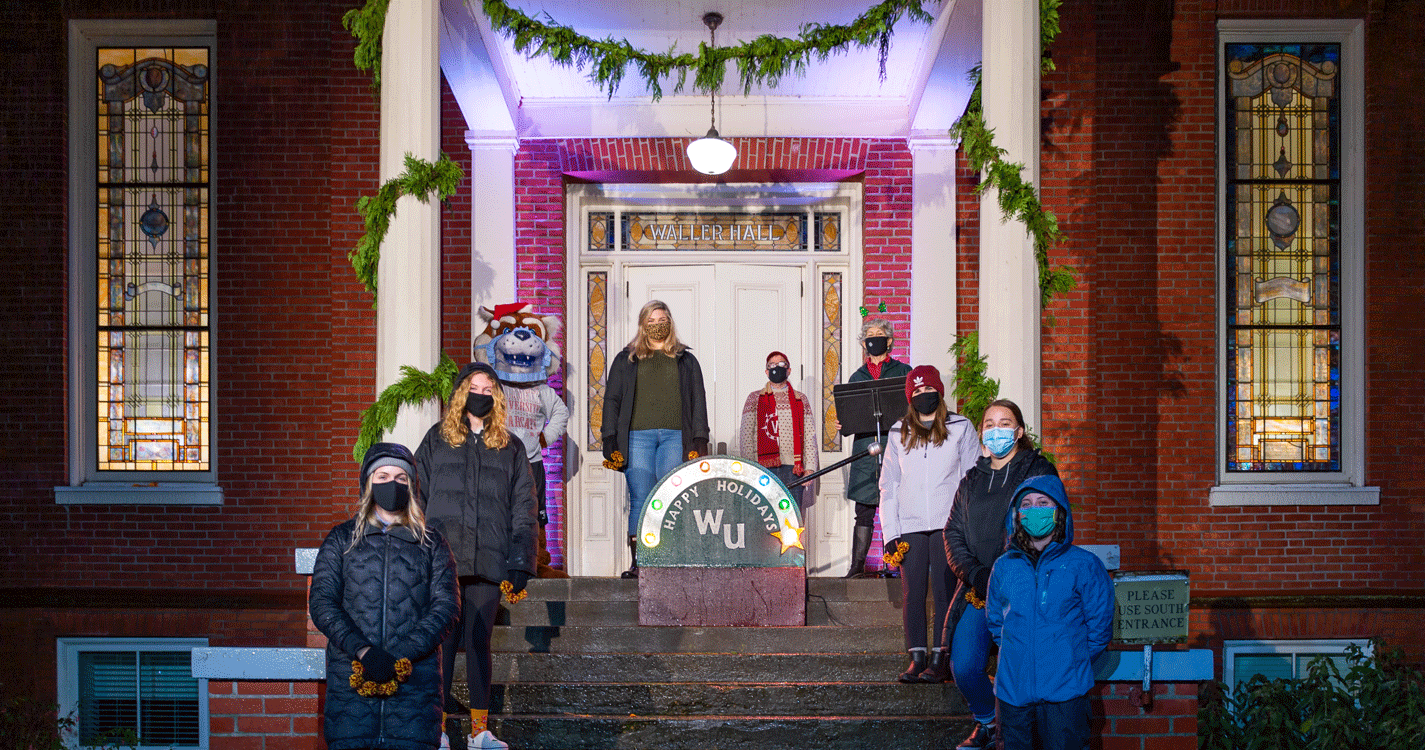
x=485, y=741
x=444, y=741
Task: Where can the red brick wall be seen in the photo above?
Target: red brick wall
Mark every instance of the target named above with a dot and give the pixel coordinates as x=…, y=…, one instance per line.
x=295, y=134
x=1129, y=373
x=30, y=632
x=1169, y=723
x=265, y=715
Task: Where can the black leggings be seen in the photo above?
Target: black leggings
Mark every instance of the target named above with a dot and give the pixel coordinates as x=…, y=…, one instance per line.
x=478, y=602
x=924, y=563
x=865, y=515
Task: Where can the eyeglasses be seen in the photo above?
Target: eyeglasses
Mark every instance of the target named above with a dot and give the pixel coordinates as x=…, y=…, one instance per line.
x=778, y=364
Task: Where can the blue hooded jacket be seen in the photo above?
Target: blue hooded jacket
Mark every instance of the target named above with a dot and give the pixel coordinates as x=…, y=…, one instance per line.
x=1050, y=618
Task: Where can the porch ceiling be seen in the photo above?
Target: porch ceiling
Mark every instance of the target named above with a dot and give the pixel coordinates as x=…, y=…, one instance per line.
x=501, y=93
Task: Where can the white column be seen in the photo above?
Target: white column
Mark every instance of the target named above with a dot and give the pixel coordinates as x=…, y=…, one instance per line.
x=932, y=253
x=492, y=223
x=1009, y=282
x=408, y=311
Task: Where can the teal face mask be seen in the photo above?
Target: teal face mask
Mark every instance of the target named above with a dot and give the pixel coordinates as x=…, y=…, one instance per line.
x=1037, y=522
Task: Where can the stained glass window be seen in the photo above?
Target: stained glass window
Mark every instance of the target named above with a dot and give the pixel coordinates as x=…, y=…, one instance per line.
x=831, y=299
x=152, y=238
x=1283, y=265
x=598, y=354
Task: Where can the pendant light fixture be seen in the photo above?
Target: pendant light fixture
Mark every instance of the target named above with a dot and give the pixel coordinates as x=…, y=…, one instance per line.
x=711, y=154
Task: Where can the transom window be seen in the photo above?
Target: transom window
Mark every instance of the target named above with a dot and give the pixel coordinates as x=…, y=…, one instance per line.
x=668, y=231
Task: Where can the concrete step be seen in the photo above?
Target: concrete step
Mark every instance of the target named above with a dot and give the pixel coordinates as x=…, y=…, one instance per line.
x=619, y=589
x=721, y=732
x=632, y=639
x=706, y=668
x=586, y=612
x=700, y=699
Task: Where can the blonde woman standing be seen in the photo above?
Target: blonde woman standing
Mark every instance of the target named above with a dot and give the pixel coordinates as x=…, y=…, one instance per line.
x=383, y=593
x=476, y=487
x=655, y=411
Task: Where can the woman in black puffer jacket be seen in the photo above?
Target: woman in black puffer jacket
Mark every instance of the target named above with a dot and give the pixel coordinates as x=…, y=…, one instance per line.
x=383, y=593
x=477, y=488
x=974, y=539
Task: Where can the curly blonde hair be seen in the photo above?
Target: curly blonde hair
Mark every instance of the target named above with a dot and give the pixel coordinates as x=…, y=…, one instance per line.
x=454, y=428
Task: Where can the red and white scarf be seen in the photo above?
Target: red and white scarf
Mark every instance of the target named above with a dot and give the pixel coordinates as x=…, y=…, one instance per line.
x=769, y=426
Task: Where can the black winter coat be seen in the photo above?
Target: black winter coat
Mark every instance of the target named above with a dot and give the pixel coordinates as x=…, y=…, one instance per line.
x=482, y=500
x=864, y=484
x=619, y=388
x=974, y=532
x=393, y=592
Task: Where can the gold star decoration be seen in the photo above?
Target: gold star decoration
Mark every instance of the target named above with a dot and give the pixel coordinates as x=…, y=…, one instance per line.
x=790, y=536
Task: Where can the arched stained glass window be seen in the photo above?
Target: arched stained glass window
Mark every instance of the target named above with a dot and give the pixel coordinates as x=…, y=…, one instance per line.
x=1283, y=257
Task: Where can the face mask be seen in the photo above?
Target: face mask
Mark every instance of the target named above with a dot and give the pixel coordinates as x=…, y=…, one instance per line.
x=1000, y=441
x=392, y=497
x=658, y=331
x=878, y=345
x=479, y=404
x=925, y=403
x=1037, y=522
x=777, y=374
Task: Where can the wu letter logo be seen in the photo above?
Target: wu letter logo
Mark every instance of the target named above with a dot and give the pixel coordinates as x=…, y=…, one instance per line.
x=710, y=522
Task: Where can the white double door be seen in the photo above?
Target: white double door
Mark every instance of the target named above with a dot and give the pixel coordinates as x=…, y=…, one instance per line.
x=732, y=315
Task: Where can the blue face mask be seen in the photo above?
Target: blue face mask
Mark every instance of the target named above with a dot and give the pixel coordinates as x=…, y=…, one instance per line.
x=1037, y=522
x=1000, y=441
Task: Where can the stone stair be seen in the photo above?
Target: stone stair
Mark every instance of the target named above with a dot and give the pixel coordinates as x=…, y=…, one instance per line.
x=574, y=670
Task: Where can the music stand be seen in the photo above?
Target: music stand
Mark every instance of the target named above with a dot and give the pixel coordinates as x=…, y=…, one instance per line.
x=870, y=405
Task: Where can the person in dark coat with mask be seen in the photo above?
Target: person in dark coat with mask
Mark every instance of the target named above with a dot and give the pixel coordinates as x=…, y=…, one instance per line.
x=878, y=336
x=974, y=539
x=383, y=593
x=476, y=487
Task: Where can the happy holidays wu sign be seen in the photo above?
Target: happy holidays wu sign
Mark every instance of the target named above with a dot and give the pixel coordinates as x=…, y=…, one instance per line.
x=720, y=512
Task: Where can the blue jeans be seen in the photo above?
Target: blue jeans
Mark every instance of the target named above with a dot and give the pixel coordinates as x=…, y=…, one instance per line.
x=651, y=455
x=1050, y=726
x=969, y=655
x=784, y=473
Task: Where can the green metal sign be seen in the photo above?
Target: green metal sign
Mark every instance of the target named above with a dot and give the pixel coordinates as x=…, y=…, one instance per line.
x=1152, y=607
x=720, y=512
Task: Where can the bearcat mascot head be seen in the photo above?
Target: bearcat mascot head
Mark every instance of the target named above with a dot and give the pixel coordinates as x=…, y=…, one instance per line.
x=518, y=343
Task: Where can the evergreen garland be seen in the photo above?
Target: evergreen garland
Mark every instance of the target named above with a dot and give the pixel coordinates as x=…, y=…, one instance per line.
x=763, y=60
x=420, y=179
x=974, y=389
x=415, y=387
x=367, y=23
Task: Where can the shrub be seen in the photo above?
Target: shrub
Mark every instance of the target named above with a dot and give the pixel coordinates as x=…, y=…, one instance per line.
x=1379, y=702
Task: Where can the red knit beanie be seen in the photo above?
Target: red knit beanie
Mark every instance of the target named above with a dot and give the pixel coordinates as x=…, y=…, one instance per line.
x=922, y=376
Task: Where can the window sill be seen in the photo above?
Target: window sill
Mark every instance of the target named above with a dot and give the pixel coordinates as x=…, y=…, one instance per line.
x=125, y=493
x=1292, y=494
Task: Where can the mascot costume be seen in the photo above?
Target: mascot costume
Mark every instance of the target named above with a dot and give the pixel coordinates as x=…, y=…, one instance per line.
x=518, y=344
